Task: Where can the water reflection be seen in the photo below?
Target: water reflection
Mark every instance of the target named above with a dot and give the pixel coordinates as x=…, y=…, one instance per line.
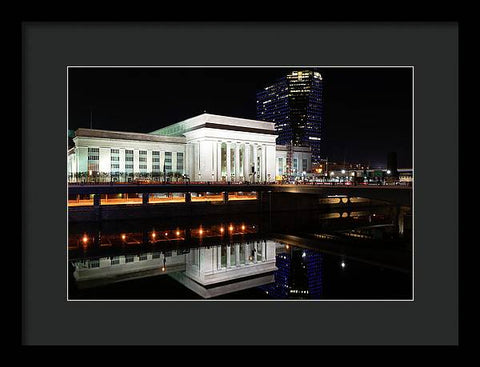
x=238, y=258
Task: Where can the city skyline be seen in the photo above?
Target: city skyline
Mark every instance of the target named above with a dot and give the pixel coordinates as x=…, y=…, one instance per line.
x=367, y=111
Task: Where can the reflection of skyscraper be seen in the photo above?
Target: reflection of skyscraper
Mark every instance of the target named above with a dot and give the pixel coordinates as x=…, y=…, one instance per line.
x=299, y=275
x=295, y=104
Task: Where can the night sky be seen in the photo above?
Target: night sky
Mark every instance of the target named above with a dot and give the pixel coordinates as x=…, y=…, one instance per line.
x=367, y=111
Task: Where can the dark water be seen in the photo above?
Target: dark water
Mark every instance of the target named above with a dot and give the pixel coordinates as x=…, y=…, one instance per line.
x=354, y=254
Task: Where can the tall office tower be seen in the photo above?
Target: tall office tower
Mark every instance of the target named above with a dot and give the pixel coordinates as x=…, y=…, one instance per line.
x=295, y=104
x=299, y=275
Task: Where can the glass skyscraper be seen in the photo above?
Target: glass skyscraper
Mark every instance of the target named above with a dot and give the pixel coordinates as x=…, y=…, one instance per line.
x=295, y=104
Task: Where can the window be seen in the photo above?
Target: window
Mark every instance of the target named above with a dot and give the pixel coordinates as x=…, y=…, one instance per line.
x=114, y=158
x=168, y=162
x=93, y=159
x=180, y=162
x=94, y=263
x=304, y=165
x=128, y=158
x=143, y=159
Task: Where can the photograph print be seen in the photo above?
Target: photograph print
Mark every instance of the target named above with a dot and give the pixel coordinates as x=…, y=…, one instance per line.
x=240, y=183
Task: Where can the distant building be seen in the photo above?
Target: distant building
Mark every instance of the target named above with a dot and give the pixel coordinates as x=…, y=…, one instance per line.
x=299, y=275
x=392, y=165
x=295, y=104
x=205, y=148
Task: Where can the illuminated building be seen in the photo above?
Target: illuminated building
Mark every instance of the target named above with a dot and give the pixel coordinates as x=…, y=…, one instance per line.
x=295, y=104
x=299, y=275
x=204, y=148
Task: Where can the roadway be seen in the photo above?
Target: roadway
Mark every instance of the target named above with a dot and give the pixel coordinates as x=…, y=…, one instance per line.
x=392, y=193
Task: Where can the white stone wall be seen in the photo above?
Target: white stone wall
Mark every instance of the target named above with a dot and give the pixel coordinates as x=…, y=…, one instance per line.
x=105, y=145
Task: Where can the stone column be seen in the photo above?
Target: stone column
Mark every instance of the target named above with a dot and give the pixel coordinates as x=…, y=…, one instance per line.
x=255, y=162
x=229, y=173
x=237, y=162
x=246, y=161
x=263, y=175
x=228, y=256
x=255, y=247
x=264, y=250
x=219, y=161
x=237, y=255
x=219, y=257
x=247, y=253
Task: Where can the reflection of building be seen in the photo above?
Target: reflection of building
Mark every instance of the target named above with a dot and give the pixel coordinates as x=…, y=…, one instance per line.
x=205, y=148
x=299, y=275
x=295, y=104
x=110, y=269
x=208, y=271
x=218, y=264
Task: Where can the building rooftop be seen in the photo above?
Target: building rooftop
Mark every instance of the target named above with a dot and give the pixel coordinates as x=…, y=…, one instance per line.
x=207, y=120
x=107, y=134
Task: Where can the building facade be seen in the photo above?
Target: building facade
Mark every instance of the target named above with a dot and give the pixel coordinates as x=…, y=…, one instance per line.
x=295, y=104
x=204, y=148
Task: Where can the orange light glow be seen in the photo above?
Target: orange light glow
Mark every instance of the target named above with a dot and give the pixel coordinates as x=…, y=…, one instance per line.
x=177, y=233
x=123, y=236
x=200, y=231
x=85, y=239
x=243, y=227
x=221, y=229
x=166, y=234
x=153, y=235
x=230, y=228
x=163, y=268
x=287, y=247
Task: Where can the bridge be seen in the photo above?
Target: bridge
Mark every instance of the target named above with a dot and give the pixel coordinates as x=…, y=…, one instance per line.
x=401, y=195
